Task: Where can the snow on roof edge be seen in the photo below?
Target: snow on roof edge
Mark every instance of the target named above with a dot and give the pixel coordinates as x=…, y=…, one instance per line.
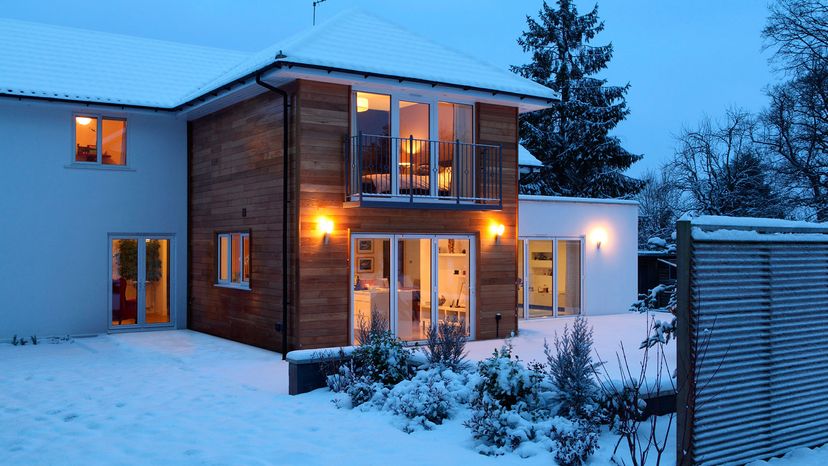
x=754, y=222
x=581, y=200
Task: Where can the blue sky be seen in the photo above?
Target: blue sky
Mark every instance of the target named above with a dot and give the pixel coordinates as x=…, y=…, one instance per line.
x=684, y=59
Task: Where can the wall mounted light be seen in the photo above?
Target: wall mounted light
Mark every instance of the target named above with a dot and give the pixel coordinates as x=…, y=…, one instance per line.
x=599, y=236
x=83, y=121
x=326, y=227
x=497, y=230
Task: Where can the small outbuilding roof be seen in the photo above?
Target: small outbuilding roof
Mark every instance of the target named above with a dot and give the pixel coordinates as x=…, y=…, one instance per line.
x=526, y=159
x=38, y=60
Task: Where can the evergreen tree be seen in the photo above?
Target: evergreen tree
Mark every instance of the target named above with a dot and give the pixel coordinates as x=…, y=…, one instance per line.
x=571, y=138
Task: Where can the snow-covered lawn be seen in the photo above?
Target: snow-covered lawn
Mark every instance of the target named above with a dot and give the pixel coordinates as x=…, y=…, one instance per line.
x=185, y=397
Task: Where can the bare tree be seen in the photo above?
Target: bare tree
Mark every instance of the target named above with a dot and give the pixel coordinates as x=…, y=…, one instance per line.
x=797, y=31
x=723, y=171
x=660, y=204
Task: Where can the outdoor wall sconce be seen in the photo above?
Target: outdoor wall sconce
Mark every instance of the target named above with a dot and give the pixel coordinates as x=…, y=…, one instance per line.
x=599, y=235
x=326, y=227
x=497, y=229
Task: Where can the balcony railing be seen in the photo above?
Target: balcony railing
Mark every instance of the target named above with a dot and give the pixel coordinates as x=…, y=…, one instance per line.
x=386, y=171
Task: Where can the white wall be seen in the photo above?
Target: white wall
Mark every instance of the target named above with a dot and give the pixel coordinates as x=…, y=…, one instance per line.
x=611, y=271
x=55, y=220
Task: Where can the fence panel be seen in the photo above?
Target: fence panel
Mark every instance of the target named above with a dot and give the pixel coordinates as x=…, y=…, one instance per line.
x=753, y=340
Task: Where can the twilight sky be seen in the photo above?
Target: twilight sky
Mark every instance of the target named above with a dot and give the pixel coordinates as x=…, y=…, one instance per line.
x=684, y=59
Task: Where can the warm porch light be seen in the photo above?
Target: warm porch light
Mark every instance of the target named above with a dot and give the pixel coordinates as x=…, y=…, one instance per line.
x=362, y=104
x=497, y=229
x=83, y=120
x=326, y=227
x=599, y=236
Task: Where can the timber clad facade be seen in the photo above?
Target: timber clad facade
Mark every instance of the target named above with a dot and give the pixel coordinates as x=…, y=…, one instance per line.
x=236, y=163
x=236, y=185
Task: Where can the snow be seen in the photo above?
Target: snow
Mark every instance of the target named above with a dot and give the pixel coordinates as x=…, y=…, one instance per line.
x=750, y=235
x=581, y=200
x=799, y=457
x=66, y=63
x=754, y=222
x=526, y=159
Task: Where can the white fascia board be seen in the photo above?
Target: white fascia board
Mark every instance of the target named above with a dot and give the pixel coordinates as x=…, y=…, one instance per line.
x=582, y=200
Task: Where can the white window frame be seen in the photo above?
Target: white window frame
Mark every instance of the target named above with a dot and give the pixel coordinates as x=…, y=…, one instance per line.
x=229, y=283
x=523, y=242
x=98, y=163
x=435, y=277
x=433, y=102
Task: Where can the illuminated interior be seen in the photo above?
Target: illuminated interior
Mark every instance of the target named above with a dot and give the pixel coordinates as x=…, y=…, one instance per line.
x=127, y=277
x=233, y=253
x=409, y=305
x=94, y=133
x=551, y=283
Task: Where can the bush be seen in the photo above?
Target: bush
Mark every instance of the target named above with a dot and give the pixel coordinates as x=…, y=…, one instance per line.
x=504, y=403
x=571, y=370
x=429, y=398
x=573, y=441
x=446, y=344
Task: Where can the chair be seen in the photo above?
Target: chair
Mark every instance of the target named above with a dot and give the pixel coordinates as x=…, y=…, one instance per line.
x=127, y=308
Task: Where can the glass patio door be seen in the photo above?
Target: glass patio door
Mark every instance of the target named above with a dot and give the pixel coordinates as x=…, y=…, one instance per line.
x=415, y=281
x=550, y=277
x=140, y=288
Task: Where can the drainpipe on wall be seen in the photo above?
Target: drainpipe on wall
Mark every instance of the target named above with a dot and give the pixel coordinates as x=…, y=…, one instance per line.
x=285, y=192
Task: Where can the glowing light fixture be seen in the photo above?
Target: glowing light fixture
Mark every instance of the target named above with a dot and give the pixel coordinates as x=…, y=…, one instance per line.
x=497, y=229
x=326, y=227
x=83, y=121
x=362, y=104
x=599, y=236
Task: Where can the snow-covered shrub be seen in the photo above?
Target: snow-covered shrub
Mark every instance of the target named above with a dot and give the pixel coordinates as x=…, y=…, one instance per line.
x=571, y=370
x=573, y=441
x=429, y=398
x=446, y=344
x=504, y=403
x=620, y=407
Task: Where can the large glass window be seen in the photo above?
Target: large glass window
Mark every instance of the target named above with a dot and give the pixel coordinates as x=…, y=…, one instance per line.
x=552, y=284
x=569, y=277
x=415, y=156
x=100, y=140
x=233, y=264
x=412, y=282
x=372, y=285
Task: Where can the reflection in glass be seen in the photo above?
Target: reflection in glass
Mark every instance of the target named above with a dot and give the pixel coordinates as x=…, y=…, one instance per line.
x=372, y=276
x=569, y=277
x=414, y=288
x=453, y=270
x=456, y=157
x=124, y=282
x=157, y=289
x=113, y=141
x=540, y=279
x=521, y=264
x=373, y=125
x=415, y=159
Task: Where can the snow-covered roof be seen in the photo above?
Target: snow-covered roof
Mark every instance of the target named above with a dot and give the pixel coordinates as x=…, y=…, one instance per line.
x=66, y=63
x=580, y=200
x=40, y=60
x=526, y=159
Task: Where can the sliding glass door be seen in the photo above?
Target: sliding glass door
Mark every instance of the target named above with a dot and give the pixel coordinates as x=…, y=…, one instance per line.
x=550, y=277
x=140, y=279
x=432, y=281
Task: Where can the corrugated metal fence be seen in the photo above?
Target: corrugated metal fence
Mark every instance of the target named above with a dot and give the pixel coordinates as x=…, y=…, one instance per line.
x=753, y=340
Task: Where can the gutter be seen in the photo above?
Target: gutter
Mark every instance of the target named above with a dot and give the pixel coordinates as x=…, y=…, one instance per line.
x=285, y=179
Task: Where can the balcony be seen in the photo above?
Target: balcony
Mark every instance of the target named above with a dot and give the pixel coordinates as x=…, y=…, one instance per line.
x=384, y=171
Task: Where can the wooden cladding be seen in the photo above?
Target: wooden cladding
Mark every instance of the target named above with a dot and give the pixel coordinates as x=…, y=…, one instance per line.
x=236, y=185
x=323, y=312
x=236, y=163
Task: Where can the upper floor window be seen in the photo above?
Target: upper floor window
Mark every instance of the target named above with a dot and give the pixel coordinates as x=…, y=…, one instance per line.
x=100, y=140
x=419, y=148
x=234, y=259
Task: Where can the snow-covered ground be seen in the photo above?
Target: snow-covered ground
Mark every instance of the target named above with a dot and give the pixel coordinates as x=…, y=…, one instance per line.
x=183, y=397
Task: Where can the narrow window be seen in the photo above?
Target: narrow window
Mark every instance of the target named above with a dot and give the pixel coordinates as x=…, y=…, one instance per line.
x=233, y=264
x=100, y=140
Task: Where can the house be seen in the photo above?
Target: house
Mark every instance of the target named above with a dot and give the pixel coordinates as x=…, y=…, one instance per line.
x=527, y=163
x=280, y=198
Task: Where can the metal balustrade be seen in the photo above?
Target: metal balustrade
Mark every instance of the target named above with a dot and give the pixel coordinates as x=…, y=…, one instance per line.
x=385, y=171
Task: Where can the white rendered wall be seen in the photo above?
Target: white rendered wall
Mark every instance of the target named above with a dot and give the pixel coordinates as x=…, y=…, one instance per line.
x=54, y=220
x=611, y=271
